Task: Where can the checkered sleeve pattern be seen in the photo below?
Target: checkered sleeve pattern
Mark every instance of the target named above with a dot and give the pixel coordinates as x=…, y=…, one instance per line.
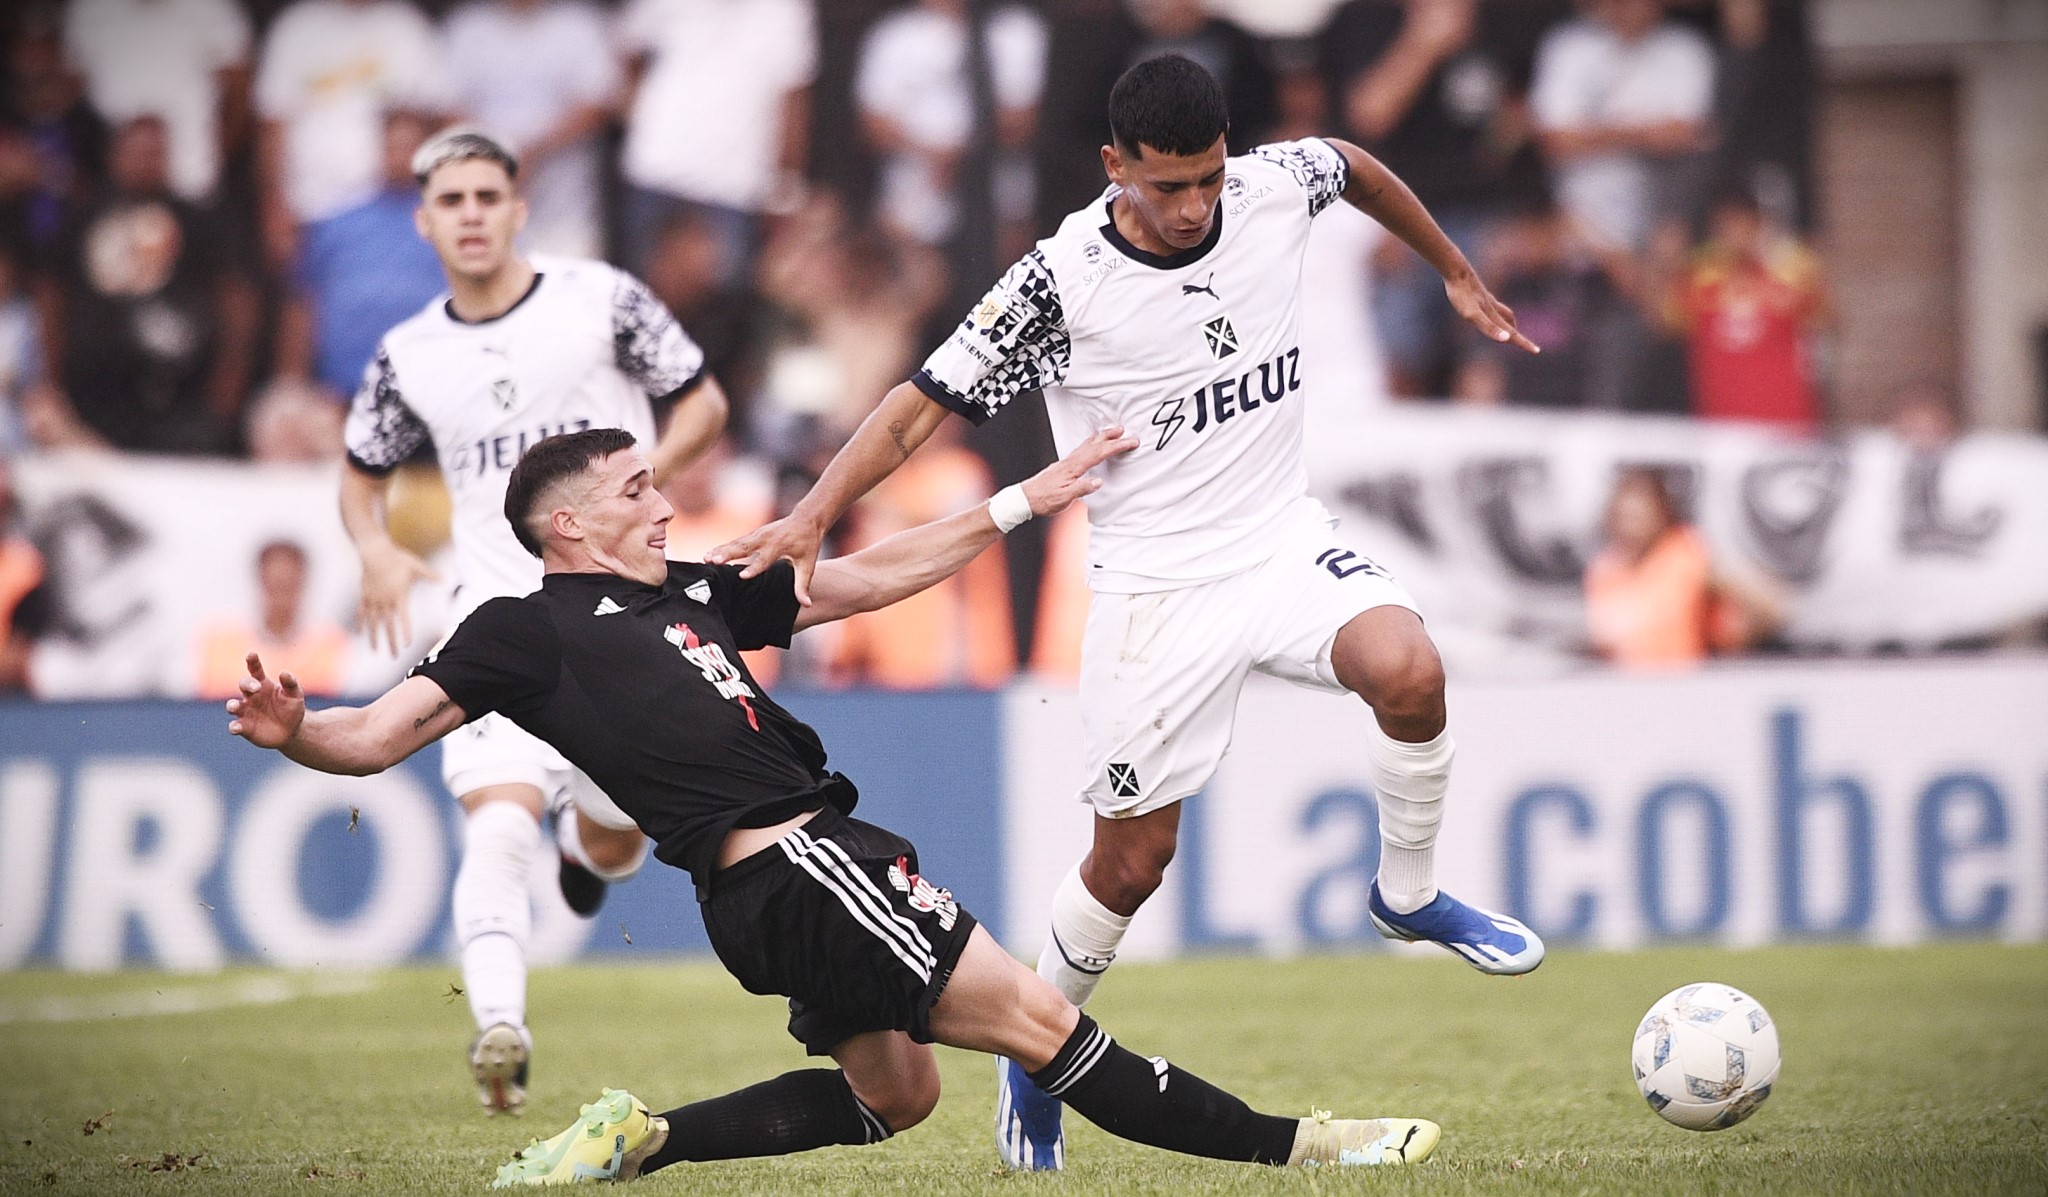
x=1015, y=340
x=1315, y=164
x=381, y=431
x=648, y=345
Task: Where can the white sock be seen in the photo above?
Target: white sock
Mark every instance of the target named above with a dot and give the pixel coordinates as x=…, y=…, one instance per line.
x=493, y=911
x=1410, y=780
x=569, y=839
x=1084, y=937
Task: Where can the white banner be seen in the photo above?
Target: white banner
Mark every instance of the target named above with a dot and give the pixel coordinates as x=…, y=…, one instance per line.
x=1489, y=517
x=1743, y=804
x=143, y=554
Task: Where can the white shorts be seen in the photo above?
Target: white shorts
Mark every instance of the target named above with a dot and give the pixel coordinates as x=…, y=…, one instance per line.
x=1161, y=672
x=494, y=751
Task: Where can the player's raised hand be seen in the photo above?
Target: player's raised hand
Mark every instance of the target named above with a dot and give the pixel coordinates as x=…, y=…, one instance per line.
x=1054, y=488
x=1482, y=311
x=269, y=711
x=790, y=536
x=386, y=610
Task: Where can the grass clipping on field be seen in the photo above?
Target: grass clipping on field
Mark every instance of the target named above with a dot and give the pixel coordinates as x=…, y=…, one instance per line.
x=1906, y=1071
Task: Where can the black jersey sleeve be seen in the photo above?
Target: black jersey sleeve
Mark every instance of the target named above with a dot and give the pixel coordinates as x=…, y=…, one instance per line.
x=1015, y=340
x=506, y=656
x=761, y=610
x=381, y=430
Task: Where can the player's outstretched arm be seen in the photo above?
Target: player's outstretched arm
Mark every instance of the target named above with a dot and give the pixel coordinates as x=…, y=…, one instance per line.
x=388, y=570
x=1374, y=190
x=904, y=420
x=271, y=713
x=926, y=555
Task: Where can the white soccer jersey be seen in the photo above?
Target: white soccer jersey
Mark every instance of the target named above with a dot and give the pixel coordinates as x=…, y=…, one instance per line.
x=587, y=347
x=1195, y=353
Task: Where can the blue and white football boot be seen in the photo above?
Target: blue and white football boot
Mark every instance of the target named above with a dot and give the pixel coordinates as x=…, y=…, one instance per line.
x=1492, y=943
x=1028, y=1132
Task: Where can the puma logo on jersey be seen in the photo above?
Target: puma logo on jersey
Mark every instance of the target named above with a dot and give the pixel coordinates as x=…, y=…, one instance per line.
x=1230, y=396
x=1202, y=288
x=1221, y=337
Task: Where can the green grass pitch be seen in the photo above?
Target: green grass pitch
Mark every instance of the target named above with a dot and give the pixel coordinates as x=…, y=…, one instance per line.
x=1906, y=1071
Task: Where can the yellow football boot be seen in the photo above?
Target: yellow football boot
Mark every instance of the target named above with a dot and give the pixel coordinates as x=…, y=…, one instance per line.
x=609, y=1140
x=1322, y=1139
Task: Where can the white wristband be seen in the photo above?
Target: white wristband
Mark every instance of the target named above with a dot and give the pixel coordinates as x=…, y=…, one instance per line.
x=1009, y=507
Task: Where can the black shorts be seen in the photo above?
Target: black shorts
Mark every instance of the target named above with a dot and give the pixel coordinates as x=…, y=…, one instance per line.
x=834, y=917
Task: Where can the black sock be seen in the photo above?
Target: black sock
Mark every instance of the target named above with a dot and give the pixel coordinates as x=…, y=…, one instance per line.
x=796, y=1111
x=1155, y=1103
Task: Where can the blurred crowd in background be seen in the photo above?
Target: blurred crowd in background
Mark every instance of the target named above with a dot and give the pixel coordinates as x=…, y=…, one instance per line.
x=206, y=224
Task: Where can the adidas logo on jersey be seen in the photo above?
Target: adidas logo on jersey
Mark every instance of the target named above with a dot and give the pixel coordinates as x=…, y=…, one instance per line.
x=607, y=606
x=1221, y=337
x=699, y=591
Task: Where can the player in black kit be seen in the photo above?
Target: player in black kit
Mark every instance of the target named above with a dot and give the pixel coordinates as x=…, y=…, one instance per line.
x=629, y=665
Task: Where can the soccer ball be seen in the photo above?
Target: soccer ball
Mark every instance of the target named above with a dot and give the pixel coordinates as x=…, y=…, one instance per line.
x=1705, y=1056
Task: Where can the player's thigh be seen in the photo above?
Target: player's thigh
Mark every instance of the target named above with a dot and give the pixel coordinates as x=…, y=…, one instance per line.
x=1160, y=676
x=1307, y=594
x=995, y=1003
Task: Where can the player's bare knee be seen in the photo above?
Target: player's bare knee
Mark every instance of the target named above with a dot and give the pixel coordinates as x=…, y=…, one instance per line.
x=1123, y=879
x=613, y=851
x=909, y=1096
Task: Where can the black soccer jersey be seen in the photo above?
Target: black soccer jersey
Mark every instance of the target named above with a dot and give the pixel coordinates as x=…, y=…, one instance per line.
x=642, y=687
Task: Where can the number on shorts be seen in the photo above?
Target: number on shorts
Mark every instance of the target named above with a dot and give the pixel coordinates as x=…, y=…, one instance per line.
x=1340, y=563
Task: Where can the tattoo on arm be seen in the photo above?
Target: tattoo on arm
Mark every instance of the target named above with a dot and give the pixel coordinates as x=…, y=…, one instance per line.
x=430, y=716
x=896, y=431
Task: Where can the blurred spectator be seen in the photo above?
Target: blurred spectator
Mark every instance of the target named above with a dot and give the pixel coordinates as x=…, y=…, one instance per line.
x=24, y=603
x=52, y=144
x=1622, y=100
x=358, y=273
x=330, y=70
x=957, y=633
x=316, y=651
x=148, y=317
x=1564, y=294
x=1654, y=596
x=722, y=316
x=1090, y=43
x=186, y=61
x=917, y=106
x=717, y=121
x=1062, y=598
x=1749, y=303
x=293, y=420
x=541, y=75
x=1763, y=105
x=21, y=357
x=1924, y=416
x=854, y=300
x=1648, y=591
x=1436, y=90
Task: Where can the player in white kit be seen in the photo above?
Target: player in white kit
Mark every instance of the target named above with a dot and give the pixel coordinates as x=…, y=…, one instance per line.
x=520, y=349
x=1169, y=307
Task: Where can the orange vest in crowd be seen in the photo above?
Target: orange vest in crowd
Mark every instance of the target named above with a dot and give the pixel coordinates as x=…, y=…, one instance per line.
x=21, y=571
x=317, y=655
x=1654, y=613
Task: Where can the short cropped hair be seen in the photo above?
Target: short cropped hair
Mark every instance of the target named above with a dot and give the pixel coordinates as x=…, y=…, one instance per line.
x=551, y=461
x=1168, y=103
x=460, y=144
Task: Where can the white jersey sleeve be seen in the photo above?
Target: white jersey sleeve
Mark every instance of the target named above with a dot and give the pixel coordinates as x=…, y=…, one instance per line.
x=648, y=345
x=1015, y=340
x=381, y=430
x=1315, y=164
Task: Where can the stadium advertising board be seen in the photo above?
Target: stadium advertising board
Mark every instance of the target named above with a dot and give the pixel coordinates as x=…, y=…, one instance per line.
x=1886, y=803
x=143, y=834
